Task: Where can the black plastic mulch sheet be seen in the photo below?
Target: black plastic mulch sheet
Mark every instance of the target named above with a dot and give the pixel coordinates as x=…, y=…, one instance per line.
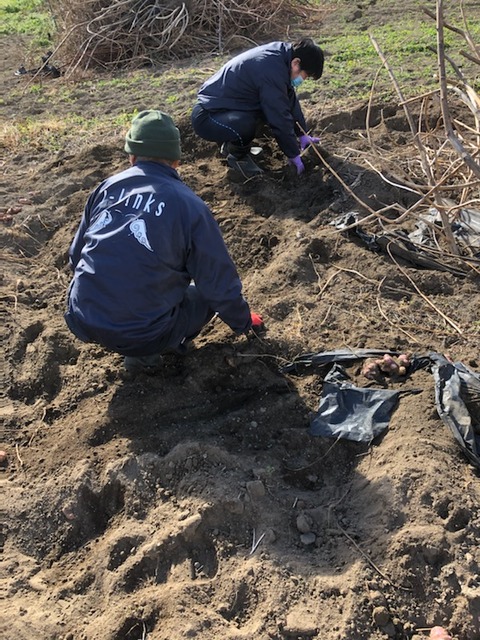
x=457, y=396
x=355, y=413
x=363, y=413
x=396, y=243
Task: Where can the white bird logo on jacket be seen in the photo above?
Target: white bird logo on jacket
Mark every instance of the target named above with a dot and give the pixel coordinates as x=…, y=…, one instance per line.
x=102, y=221
x=139, y=230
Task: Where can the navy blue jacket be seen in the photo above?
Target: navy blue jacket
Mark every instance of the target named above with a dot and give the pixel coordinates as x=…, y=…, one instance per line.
x=259, y=80
x=143, y=237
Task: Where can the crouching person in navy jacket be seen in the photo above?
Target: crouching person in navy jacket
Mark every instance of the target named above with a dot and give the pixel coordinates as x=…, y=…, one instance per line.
x=150, y=267
x=255, y=87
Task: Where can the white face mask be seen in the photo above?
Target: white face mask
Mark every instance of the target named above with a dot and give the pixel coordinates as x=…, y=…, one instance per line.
x=296, y=82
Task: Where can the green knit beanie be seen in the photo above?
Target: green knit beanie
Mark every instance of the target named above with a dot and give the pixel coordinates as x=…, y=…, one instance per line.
x=153, y=135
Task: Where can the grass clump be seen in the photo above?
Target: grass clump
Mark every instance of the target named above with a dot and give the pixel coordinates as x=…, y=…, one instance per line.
x=410, y=48
x=53, y=134
x=30, y=18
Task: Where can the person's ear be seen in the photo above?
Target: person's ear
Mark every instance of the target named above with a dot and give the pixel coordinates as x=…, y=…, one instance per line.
x=176, y=164
x=295, y=66
x=132, y=159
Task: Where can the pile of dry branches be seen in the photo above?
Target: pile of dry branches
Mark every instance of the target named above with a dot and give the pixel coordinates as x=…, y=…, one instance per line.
x=114, y=33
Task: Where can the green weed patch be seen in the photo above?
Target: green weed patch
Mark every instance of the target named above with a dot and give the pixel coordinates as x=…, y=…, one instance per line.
x=29, y=18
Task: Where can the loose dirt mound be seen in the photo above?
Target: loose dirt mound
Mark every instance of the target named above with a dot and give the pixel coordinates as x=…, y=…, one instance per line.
x=195, y=503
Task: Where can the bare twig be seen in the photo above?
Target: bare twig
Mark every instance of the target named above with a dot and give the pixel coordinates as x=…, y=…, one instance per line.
x=416, y=137
x=427, y=300
x=392, y=324
x=17, y=452
x=255, y=542
x=370, y=561
x=469, y=57
x=457, y=145
x=421, y=149
x=319, y=459
x=374, y=213
x=465, y=34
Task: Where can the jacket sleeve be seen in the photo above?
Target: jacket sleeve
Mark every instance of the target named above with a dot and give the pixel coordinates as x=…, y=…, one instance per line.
x=298, y=116
x=281, y=109
x=78, y=242
x=214, y=273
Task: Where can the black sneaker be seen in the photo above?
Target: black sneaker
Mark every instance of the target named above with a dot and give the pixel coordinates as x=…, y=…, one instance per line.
x=246, y=166
x=150, y=365
x=239, y=151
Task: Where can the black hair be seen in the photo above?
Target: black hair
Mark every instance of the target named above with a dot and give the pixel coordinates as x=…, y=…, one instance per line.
x=310, y=56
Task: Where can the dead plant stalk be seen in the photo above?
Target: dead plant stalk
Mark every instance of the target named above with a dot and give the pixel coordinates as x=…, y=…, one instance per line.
x=447, y=120
x=427, y=169
x=421, y=294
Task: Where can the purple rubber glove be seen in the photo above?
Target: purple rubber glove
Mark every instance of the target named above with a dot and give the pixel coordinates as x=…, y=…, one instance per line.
x=305, y=141
x=298, y=164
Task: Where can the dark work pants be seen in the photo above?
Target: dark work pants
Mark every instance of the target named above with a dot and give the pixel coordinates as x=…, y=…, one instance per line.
x=192, y=315
x=238, y=127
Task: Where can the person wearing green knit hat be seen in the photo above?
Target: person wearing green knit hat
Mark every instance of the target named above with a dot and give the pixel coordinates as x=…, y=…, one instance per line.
x=150, y=267
x=153, y=133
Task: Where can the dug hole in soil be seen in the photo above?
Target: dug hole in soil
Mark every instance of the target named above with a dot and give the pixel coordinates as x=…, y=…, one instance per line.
x=195, y=504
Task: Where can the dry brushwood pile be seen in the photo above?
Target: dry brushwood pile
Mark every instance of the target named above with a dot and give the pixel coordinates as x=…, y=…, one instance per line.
x=104, y=33
x=199, y=502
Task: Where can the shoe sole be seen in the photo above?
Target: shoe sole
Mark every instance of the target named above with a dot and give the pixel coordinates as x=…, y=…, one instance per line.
x=234, y=164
